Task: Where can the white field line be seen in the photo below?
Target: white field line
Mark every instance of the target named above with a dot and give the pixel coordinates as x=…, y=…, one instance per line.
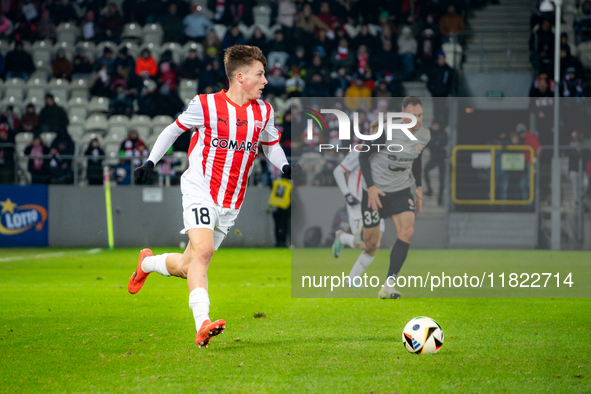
x=46, y=255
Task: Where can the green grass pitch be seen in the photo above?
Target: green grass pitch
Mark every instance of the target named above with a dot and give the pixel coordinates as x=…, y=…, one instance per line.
x=68, y=324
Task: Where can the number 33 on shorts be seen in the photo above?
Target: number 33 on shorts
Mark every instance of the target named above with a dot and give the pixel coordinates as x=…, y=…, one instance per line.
x=371, y=218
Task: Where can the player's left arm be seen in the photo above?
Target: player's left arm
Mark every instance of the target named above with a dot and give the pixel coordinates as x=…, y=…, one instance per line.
x=417, y=173
x=270, y=141
x=191, y=117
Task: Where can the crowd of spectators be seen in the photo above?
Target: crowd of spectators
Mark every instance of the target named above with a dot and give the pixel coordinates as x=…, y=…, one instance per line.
x=328, y=48
x=571, y=87
x=395, y=41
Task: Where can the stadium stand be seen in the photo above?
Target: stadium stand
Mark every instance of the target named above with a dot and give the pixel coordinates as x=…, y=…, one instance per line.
x=107, y=98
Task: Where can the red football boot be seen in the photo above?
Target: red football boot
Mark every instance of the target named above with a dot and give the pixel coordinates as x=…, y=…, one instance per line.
x=139, y=276
x=209, y=330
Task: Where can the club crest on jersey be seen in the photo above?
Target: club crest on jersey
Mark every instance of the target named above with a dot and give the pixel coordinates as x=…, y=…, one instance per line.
x=234, y=145
x=258, y=126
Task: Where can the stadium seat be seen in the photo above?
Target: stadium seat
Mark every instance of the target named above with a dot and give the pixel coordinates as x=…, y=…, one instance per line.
x=101, y=47
x=42, y=55
x=67, y=47
x=23, y=138
x=270, y=33
x=96, y=123
x=76, y=131
x=37, y=101
x=112, y=152
x=116, y=134
x=88, y=46
x=351, y=30
x=118, y=120
x=27, y=46
x=15, y=87
x=159, y=123
x=262, y=15
x=151, y=140
x=247, y=30
x=43, y=65
x=451, y=49
x=98, y=104
x=41, y=74
x=16, y=102
x=5, y=46
x=42, y=50
x=193, y=45
x=133, y=48
x=75, y=118
x=132, y=31
x=67, y=32
x=277, y=58
x=77, y=106
x=152, y=33
x=79, y=88
x=59, y=101
x=142, y=124
x=204, y=10
x=176, y=50
x=150, y=84
x=282, y=105
x=36, y=87
x=220, y=31
x=584, y=53
x=59, y=87
x=188, y=89
x=48, y=137
x=372, y=29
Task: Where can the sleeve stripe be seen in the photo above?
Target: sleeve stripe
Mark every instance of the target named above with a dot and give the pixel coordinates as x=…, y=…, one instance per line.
x=180, y=125
x=269, y=143
x=345, y=168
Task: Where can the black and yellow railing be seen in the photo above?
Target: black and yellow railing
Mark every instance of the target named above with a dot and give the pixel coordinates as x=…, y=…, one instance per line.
x=514, y=156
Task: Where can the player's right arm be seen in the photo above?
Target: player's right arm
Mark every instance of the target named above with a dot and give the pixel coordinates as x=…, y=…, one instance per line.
x=340, y=176
x=191, y=117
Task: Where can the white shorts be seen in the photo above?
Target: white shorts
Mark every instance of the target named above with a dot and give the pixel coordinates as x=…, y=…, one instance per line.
x=200, y=214
x=356, y=218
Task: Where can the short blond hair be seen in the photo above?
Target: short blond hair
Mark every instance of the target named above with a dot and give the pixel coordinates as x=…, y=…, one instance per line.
x=237, y=57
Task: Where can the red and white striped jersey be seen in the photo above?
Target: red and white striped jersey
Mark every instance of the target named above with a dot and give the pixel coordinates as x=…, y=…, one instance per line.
x=224, y=145
x=351, y=164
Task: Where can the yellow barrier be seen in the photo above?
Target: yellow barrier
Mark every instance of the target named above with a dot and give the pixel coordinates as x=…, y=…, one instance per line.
x=492, y=200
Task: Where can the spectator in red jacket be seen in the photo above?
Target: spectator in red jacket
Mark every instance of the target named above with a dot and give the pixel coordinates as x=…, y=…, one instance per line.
x=146, y=65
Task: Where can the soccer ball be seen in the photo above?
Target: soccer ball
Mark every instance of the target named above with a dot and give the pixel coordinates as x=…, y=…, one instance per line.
x=422, y=335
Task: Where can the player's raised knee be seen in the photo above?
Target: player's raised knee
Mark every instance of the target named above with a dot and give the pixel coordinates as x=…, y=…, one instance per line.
x=202, y=254
x=371, y=243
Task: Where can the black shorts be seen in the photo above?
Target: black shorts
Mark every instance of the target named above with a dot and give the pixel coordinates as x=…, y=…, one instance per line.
x=392, y=204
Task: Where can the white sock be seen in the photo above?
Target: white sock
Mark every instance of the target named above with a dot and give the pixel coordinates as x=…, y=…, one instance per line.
x=363, y=261
x=156, y=264
x=199, y=304
x=347, y=239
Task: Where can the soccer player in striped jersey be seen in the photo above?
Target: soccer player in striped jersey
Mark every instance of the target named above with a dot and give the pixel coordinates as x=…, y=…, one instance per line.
x=226, y=129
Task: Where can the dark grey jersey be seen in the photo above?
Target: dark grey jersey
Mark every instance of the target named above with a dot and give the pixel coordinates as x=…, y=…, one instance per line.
x=393, y=171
